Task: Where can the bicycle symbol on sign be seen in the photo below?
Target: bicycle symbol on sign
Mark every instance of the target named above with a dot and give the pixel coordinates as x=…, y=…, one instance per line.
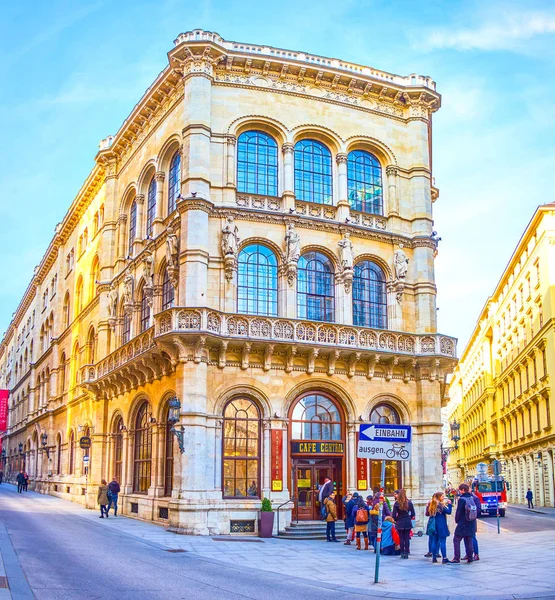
x=397, y=450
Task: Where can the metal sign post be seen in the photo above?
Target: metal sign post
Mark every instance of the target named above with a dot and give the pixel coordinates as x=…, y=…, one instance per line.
x=383, y=442
x=496, y=478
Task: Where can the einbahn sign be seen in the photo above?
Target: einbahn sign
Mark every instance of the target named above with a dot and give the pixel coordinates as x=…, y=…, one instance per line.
x=385, y=442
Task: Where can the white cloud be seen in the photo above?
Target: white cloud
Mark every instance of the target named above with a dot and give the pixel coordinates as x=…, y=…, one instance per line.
x=498, y=32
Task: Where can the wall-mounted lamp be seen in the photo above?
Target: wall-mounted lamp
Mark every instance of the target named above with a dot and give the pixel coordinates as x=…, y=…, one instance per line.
x=44, y=442
x=173, y=418
x=20, y=448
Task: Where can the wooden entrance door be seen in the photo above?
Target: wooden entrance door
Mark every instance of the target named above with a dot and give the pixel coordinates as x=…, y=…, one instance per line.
x=309, y=475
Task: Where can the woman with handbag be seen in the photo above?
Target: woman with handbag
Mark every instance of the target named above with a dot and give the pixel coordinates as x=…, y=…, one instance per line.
x=403, y=513
x=437, y=528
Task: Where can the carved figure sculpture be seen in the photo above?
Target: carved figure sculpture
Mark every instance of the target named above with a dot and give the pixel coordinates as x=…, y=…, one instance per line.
x=112, y=302
x=172, y=248
x=400, y=262
x=292, y=244
x=148, y=262
x=128, y=289
x=230, y=238
x=346, y=252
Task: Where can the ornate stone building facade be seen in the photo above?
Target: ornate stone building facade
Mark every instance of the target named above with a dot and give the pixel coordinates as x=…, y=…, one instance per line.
x=255, y=241
x=500, y=391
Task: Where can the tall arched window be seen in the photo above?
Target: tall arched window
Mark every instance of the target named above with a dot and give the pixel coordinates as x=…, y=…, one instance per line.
x=313, y=172
x=168, y=293
x=241, y=449
x=168, y=456
x=62, y=373
x=385, y=414
x=91, y=347
x=257, y=288
x=71, y=450
x=95, y=277
x=143, y=450
x=174, y=182
x=315, y=288
x=316, y=417
x=132, y=227
x=118, y=448
x=66, y=311
x=257, y=164
x=126, y=329
x=79, y=296
x=150, y=206
x=364, y=174
x=59, y=454
x=145, y=311
x=369, y=296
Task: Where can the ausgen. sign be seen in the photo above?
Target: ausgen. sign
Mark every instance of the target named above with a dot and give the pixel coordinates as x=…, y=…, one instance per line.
x=385, y=442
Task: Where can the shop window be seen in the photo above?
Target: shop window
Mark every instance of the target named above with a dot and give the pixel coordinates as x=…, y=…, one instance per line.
x=118, y=448
x=142, y=460
x=241, y=449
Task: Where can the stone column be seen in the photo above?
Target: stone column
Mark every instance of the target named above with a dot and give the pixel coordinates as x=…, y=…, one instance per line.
x=160, y=176
x=156, y=488
x=352, y=484
x=230, y=162
x=127, y=462
x=140, y=224
x=288, y=150
x=344, y=303
x=422, y=270
x=266, y=454
x=218, y=424
x=122, y=231
x=343, y=206
x=392, y=199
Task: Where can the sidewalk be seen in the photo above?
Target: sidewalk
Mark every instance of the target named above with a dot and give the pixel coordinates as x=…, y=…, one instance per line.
x=542, y=510
x=510, y=566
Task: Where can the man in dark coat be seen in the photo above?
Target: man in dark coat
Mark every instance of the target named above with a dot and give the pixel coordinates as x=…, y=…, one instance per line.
x=349, y=518
x=465, y=530
x=113, y=492
x=530, y=497
x=20, y=479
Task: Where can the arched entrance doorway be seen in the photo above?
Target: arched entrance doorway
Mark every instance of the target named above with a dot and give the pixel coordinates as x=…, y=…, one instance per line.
x=317, y=451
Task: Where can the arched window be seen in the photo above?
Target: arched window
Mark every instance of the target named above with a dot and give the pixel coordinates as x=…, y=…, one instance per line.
x=126, y=329
x=241, y=449
x=71, y=450
x=118, y=448
x=174, y=182
x=313, y=173
x=316, y=417
x=150, y=206
x=369, y=296
x=79, y=296
x=364, y=174
x=59, y=454
x=168, y=456
x=143, y=450
x=145, y=311
x=95, y=277
x=168, y=293
x=257, y=288
x=132, y=227
x=315, y=288
x=387, y=415
x=76, y=363
x=257, y=164
x=66, y=311
x=62, y=373
x=91, y=347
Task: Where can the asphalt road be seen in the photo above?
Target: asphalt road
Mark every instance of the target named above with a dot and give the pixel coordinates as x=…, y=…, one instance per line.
x=68, y=557
x=522, y=520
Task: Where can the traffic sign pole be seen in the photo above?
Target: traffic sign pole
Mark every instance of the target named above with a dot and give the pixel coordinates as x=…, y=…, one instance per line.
x=380, y=520
x=496, y=476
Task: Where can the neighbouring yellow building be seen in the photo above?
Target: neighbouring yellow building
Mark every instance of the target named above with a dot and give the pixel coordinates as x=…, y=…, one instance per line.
x=500, y=392
x=245, y=277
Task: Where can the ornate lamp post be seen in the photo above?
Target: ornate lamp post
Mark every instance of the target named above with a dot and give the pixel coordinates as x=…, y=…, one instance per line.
x=173, y=418
x=44, y=442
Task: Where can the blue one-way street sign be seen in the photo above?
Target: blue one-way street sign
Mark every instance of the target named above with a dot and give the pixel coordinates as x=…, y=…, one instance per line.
x=386, y=433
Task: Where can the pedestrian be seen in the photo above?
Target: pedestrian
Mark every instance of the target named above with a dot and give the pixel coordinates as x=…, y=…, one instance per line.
x=465, y=518
x=1, y=475
x=374, y=515
x=530, y=498
x=361, y=516
x=438, y=508
x=403, y=513
x=331, y=517
x=20, y=480
x=102, y=498
x=350, y=519
x=390, y=537
x=325, y=490
x=429, y=553
x=474, y=539
x=26, y=481
x=113, y=493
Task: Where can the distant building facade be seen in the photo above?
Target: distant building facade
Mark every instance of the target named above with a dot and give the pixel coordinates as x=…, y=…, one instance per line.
x=255, y=247
x=500, y=391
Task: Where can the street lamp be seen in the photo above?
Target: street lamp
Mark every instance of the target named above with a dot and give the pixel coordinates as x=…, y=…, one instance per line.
x=44, y=442
x=20, y=448
x=455, y=427
x=173, y=418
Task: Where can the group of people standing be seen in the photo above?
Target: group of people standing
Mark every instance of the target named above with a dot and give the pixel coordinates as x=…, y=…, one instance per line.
x=361, y=523
x=107, y=497
x=22, y=480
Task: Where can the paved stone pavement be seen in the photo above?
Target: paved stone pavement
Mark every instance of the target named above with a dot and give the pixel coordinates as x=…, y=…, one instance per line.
x=510, y=566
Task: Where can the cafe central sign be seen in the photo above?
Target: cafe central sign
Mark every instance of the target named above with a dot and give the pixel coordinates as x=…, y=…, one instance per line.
x=317, y=447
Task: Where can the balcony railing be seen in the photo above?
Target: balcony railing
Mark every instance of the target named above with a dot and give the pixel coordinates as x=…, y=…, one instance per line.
x=270, y=203
x=311, y=209
x=276, y=329
x=367, y=220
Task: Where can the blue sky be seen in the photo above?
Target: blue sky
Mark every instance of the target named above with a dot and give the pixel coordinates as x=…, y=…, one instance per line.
x=71, y=72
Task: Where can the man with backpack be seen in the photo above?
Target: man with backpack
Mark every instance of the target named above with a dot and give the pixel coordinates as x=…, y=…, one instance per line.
x=465, y=518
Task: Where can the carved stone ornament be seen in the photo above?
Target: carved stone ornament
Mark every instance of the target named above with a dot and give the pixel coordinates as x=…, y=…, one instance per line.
x=230, y=246
x=400, y=263
x=172, y=248
x=128, y=290
x=292, y=253
x=397, y=287
x=347, y=259
x=148, y=264
x=113, y=302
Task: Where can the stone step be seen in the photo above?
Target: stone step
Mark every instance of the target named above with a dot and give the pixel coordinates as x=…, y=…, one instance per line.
x=284, y=535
